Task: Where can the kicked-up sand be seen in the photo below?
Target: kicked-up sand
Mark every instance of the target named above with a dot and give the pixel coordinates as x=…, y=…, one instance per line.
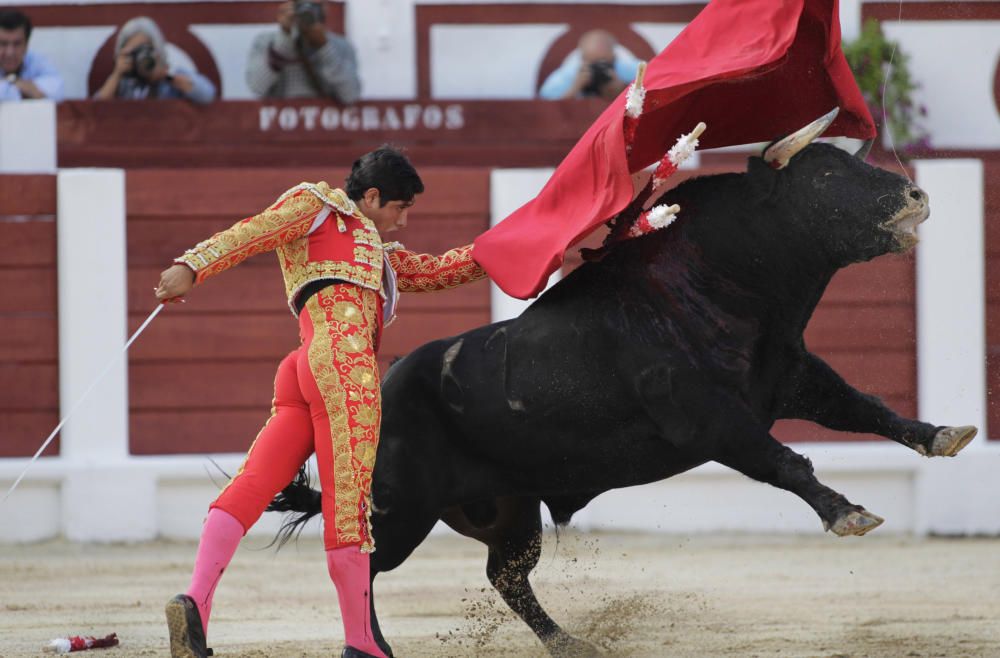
x=630, y=595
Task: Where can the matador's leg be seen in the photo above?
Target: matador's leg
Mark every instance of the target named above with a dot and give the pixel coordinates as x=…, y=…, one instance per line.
x=341, y=384
x=280, y=448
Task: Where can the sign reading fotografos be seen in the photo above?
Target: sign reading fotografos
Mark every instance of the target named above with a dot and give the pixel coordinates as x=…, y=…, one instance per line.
x=361, y=118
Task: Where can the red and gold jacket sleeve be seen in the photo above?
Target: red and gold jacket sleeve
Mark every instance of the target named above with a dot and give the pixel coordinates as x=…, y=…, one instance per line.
x=291, y=217
x=426, y=272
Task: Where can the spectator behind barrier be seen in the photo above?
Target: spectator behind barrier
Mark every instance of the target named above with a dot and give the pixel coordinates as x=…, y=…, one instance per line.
x=141, y=68
x=24, y=74
x=302, y=59
x=593, y=69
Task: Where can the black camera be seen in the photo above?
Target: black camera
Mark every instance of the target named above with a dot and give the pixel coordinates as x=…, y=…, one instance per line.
x=309, y=13
x=144, y=60
x=600, y=74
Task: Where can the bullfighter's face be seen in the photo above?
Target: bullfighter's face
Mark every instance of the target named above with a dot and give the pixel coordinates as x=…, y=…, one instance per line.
x=388, y=217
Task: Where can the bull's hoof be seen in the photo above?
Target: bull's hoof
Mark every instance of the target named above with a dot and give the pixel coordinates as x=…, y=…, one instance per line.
x=565, y=645
x=950, y=440
x=857, y=522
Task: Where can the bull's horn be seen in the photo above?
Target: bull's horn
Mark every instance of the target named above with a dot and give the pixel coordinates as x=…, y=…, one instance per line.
x=779, y=153
x=863, y=151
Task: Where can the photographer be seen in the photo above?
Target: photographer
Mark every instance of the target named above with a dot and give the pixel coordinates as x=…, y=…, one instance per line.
x=302, y=59
x=141, y=69
x=24, y=73
x=593, y=70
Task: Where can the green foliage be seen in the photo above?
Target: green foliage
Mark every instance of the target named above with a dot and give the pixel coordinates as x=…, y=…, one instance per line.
x=869, y=56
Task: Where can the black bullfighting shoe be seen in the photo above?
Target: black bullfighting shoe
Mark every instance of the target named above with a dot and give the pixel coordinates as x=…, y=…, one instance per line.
x=351, y=652
x=187, y=633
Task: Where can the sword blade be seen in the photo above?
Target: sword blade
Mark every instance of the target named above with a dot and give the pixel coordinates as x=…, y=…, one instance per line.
x=114, y=361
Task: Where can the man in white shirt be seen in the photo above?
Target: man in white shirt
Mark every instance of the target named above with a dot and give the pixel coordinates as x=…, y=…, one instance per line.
x=24, y=74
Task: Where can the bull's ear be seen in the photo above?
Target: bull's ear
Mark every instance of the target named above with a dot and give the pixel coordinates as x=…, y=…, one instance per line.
x=762, y=178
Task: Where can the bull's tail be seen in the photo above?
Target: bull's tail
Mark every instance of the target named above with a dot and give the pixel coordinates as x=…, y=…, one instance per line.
x=300, y=501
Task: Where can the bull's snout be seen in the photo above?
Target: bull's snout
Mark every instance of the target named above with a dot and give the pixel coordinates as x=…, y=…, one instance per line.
x=914, y=211
x=916, y=197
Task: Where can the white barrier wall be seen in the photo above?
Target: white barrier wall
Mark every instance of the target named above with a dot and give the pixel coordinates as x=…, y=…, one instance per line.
x=28, y=137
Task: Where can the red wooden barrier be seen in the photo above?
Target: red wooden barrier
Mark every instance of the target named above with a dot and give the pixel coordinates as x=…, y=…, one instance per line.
x=29, y=383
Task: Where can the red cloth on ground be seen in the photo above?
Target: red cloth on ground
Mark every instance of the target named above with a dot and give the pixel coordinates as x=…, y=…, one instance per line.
x=753, y=70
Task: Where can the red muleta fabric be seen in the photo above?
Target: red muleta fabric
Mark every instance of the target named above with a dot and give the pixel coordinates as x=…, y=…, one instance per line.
x=753, y=70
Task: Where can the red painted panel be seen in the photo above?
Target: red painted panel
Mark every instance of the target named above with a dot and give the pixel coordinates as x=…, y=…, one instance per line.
x=28, y=348
x=836, y=327
x=28, y=291
x=991, y=174
x=24, y=432
x=884, y=374
x=238, y=193
x=30, y=243
x=27, y=194
x=29, y=338
x=886, y=279
x=29, y=387
x=190, y=385
x=932, y=11
x=179, y=335
x=182, y=431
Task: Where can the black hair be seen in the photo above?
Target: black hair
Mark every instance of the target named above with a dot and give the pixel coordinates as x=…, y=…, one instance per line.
x=387, y=170
x=12, y=19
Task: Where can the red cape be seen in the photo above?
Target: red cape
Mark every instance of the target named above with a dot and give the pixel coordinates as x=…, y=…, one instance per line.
x=753, y=70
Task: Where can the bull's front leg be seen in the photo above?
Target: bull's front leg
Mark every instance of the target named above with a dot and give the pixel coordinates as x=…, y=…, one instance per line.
x=741, y=443
x=815, y=392
x=707, y=423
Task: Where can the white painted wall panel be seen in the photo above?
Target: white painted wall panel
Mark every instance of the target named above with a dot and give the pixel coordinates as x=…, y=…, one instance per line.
x=955, y=63
x=658, y=35
x=28, y=137
x=383, y=33
x=230, y=46
x=92, y=313
x=488, y=61
x=951, y=295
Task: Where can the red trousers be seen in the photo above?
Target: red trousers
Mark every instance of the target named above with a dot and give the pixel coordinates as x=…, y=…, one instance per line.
x=326, y=400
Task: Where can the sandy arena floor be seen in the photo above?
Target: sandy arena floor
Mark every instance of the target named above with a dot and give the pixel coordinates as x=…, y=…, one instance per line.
x=631, y=595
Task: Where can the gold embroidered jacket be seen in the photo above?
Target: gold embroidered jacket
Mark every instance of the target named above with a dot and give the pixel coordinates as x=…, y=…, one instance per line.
x=319, y=233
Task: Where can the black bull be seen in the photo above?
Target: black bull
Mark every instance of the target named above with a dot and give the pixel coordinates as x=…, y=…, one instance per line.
x=675, y=349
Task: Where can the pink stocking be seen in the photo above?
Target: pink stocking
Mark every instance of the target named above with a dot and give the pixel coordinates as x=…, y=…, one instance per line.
x=220, y=536
x=348, y=568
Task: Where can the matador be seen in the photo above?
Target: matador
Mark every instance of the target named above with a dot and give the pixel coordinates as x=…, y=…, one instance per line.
x=342, y=283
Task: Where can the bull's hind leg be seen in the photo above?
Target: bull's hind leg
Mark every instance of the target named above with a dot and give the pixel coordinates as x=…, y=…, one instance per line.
x=514, y=538
x=817, y=393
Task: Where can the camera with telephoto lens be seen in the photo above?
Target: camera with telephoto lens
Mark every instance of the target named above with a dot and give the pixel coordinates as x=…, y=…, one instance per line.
x=309, y=13
x=600, y=74
x=144, y=60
